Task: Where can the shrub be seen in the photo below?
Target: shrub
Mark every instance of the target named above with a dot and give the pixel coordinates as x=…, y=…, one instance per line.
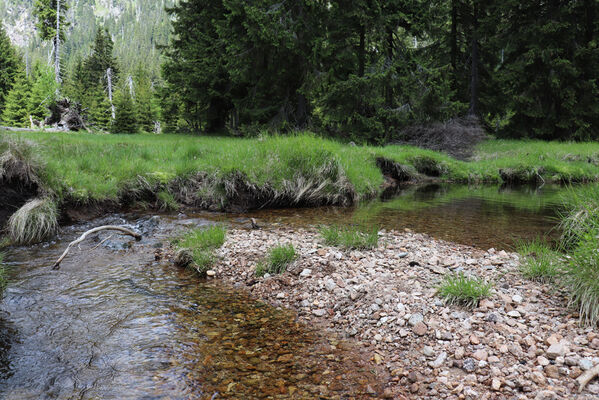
x=277, y=260
x=351, y=237
x=581, y=278
x=540, y=262
x=35, y=221
x=463, y=290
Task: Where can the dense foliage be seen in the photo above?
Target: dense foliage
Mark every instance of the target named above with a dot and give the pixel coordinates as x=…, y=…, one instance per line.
x=365, y=70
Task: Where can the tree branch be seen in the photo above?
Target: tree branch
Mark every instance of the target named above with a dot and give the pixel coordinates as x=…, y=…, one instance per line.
x=81, y=238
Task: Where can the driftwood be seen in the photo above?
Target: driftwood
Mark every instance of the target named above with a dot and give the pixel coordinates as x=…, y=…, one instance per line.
x=587, y=377
x=66, y=115
x=126, y=231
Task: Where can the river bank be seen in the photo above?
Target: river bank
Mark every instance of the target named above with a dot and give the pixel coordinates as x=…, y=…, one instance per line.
x=521, y=343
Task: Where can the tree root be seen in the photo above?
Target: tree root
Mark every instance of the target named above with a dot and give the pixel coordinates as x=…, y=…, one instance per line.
x=81, y=238
x=587, y=377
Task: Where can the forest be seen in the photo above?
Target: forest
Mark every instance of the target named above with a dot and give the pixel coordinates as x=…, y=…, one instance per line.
x=365, y=71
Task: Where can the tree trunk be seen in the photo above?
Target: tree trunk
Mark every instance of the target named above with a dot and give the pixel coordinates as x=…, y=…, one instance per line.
x=362, y=51
x=454, y=37
x=474, y=84
x=57, y=47
x=388, y=86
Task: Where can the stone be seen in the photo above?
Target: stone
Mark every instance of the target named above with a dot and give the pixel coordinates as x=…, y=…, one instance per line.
x=486, y=303
x=469, y=365
x=330, y=284
x=416, y=319
x=211, y=273
x=517, y=299
x=546, y=395
x=552, y=371
x=585, y=364
x=496, y=384
x=439, y=360
x=306, y=273
x=459, y=353
x=420, y=329
x=428, y=351
x=542, y=361
x=556, y=350
x=474, y=340
x=514, y=314
x=480, y=355
x=571, y=361
x=319, y=312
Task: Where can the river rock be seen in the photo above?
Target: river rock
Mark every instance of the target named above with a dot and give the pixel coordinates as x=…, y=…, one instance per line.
x=556, y=350
x=416, y=319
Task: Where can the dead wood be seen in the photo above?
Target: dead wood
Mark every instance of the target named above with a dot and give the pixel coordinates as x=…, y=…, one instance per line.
x=81, y=238
x=587, y=377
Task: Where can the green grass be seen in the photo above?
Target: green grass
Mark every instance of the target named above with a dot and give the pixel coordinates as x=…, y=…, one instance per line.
x=201, y=243
x=277, y=260
x=350, y=237
x=462, y=290
x=83, y=167
x=540, y=262
x=581, y=278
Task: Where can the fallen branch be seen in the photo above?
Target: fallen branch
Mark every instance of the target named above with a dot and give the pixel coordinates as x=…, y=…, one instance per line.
x=587, y=377
x=126, y=231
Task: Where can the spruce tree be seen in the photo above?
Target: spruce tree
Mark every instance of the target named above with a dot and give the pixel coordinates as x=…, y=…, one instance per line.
x=43, y=92
x=16, y=109
x=145, y=104
x=126, y=119
x=10, y=65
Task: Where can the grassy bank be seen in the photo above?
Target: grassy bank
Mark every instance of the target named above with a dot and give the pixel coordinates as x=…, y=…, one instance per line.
x=163, y=171
x=88, y=167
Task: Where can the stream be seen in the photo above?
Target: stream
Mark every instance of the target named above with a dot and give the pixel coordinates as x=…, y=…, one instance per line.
x=114, y=323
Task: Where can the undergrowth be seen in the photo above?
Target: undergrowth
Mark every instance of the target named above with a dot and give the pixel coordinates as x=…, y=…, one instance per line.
x=463, y=290
x=277, y=260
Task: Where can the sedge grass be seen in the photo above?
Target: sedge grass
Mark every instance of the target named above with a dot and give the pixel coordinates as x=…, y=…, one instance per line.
x=540, y=262
x=277, y=260
x=350, y=237
x=34, y=222
x=463, y=290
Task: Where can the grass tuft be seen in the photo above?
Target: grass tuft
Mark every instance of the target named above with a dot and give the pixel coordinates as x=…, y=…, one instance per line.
x=36, y=221
x=541, y=263
x=166, y=201
x=462, y=290
x=350, y=237
x=19, y=161
x=201, y=243
x=277, y=260
x=581, y=278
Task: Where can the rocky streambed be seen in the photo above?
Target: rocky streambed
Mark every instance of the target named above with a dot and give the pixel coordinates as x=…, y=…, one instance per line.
x=521, y=343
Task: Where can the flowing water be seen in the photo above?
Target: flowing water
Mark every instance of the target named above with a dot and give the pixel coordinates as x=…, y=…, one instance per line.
x=114, y=323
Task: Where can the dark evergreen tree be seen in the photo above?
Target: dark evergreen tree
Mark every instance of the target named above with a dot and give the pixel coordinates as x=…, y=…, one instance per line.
x=43, y=92
x=16, y=107
x=126, y=118
x=10, y=65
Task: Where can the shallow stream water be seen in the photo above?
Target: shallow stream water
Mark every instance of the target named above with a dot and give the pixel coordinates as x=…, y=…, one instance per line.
x=114, y=323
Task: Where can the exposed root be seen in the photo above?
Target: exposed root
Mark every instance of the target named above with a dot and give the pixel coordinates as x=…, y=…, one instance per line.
x=35, y=221
x=81, y=238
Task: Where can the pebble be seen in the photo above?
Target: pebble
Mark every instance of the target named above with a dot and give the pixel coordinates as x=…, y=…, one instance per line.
x=517, y=299
x=306, y=273
x=556, y=350
x=469, y=365
x=514, y=314
x=439, y=360
x=420, y=329
x=416, y=319
x=585, y=364
x=319, y=312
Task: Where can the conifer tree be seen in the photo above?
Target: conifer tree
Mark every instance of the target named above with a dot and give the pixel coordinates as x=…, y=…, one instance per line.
x=126, y=119
x=16, y=109
x=145, y=103
x=10, y=65
x=43, y=92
